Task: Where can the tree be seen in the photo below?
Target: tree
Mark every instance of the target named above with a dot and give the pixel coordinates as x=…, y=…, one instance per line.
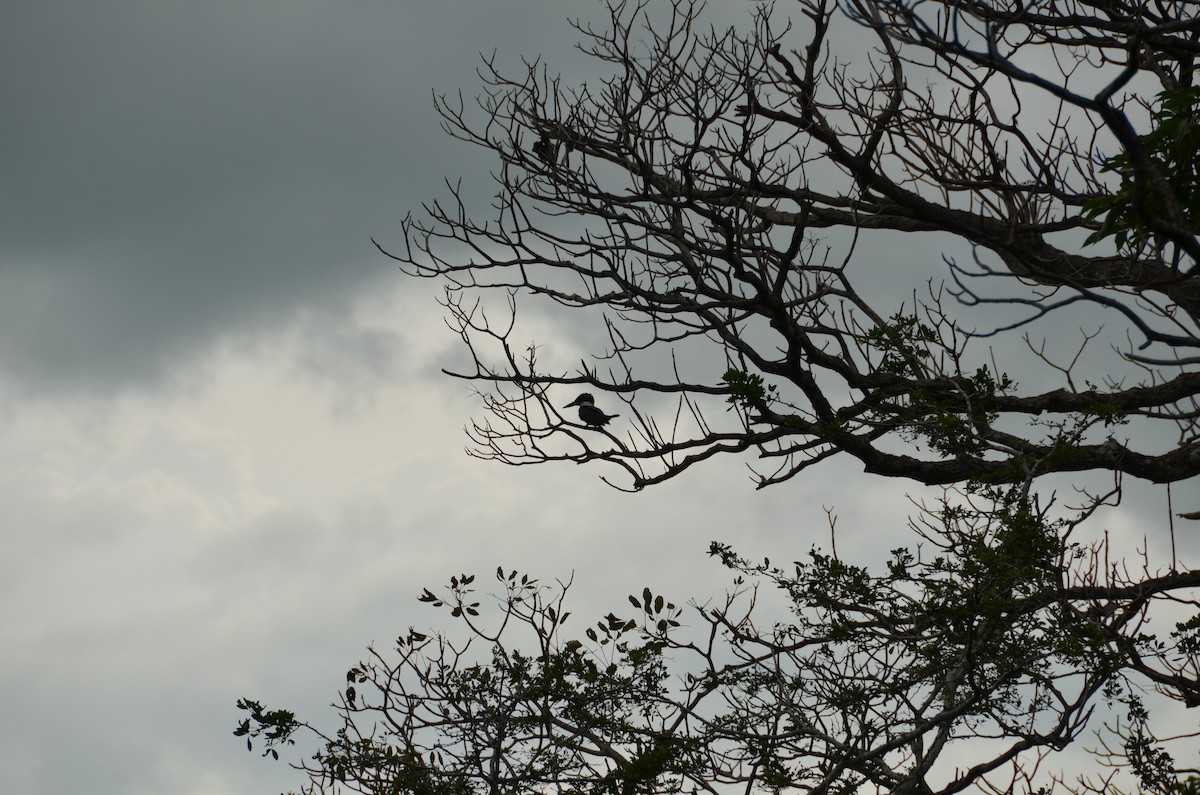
x=699, y=175
x=714, y=203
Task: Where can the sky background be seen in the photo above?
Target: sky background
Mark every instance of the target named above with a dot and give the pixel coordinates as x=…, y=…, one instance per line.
x=228, y=458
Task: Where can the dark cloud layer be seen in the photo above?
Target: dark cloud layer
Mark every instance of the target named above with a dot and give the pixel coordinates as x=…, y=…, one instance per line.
x=173, y=172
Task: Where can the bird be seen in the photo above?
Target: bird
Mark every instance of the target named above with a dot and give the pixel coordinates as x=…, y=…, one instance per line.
x=588, y=413
x=546, y=150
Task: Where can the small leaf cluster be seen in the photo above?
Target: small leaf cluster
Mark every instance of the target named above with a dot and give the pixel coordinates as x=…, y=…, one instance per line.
x=748, y=390
x=1152, y=764
x=951, y=420
x=1187, y=635
x=660, y=614
x=1173, y=147
x=276, y=726
x=903, y=343
x=458, y=586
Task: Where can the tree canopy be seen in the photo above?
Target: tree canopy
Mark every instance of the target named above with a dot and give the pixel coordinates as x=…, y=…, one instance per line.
x=721, y=203
x=718, y=187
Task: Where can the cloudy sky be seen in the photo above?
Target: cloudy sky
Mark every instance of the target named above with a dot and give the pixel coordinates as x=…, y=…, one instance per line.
x=228, y=460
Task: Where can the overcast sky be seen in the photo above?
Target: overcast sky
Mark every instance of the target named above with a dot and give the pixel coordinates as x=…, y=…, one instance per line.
x=228, y=460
